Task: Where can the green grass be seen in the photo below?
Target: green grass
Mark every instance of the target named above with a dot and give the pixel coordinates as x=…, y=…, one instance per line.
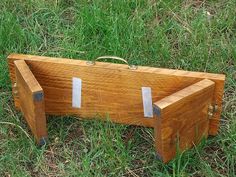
x=171, y=34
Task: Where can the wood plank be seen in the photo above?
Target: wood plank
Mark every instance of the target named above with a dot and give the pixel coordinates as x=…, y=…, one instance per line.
x=110, y=89
x=31, y=99
x=182, y=118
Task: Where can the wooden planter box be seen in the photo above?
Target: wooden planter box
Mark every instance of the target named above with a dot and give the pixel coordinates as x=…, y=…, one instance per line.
x=181, y=106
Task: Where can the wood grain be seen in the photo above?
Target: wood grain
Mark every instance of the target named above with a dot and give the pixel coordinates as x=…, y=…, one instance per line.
x=182, y=118
x=110, y=89
x=31, y=99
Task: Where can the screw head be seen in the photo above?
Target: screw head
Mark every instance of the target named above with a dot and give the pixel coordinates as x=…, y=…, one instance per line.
x=210, y=114
x=133, y=67
x=90, y=63
x=211, y=108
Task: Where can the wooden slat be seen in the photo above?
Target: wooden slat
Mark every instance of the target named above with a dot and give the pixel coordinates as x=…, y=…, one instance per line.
x=31, y=99
x=182, y=118
x=110, y=89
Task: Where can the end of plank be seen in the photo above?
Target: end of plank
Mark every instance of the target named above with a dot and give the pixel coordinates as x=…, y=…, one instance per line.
x=157, y=111
x=159, y=157
x=38, y=96
x=42, y=141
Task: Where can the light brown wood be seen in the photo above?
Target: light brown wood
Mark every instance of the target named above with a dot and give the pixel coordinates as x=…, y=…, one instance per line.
x=182, y=118
x=182, y=98
x=31, y=99
x=110, y=89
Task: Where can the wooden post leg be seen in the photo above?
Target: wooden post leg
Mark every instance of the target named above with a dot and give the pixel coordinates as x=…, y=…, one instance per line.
x=182, y=119
x=31, y=99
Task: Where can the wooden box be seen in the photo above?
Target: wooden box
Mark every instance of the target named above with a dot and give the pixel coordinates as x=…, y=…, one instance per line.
x=181, y=106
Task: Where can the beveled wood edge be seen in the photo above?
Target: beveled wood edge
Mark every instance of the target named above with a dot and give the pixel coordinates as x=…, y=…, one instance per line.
x=171, y=72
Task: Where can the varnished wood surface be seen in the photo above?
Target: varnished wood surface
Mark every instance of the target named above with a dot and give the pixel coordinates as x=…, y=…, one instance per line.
x=182, y=118
x=30, y=97
x=110, y=89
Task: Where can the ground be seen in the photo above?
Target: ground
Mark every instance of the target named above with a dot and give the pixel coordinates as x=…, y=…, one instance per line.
x=194, y=35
